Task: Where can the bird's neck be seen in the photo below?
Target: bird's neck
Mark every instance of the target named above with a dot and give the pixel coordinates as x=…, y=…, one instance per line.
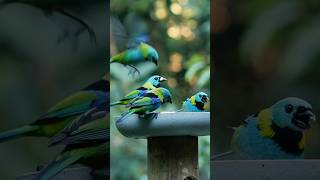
x=148, y=85
x=289, y=140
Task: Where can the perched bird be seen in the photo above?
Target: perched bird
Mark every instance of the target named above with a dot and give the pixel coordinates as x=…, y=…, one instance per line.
x=95, y=95
x=147, y=103
x=151, y=83
x=132, y=56
x=274, y=133
x=195, y=103
x=86, y=143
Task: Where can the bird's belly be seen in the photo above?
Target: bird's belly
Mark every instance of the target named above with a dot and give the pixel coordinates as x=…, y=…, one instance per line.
x=249, y=144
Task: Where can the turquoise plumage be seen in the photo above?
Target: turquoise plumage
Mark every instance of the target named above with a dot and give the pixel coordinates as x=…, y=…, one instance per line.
x=147, y=103
x=274, y=133
x=95, y=95
x=139, y=54
x=195, y=103
x=151, y=83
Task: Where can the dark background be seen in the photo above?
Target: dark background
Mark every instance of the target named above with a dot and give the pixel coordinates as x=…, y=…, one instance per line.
x=36, y=71
x=263, y=51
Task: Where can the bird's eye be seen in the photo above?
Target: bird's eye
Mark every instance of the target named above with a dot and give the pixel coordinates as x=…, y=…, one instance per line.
x=156, y=78
x=289, y=108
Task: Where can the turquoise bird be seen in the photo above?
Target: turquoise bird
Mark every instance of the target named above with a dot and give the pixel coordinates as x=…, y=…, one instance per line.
x=195, y=103
x=147, y=103
x=277, y=132
x=86, y=144
x=151, y=83
x=139, y=54
x=95, y=95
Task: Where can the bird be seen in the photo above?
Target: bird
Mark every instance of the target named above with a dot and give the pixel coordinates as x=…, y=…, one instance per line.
x=96, y=95
x=195, y=103
x=85, y=143
x=151, y=83
x=277, y=132
x=135, y=55
x=58, y=6
x=147, y=103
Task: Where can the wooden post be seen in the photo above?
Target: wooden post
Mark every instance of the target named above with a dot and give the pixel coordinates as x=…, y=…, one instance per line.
x=173, y=158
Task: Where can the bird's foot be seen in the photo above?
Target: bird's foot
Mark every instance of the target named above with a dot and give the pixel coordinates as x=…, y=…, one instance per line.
x=153, y=115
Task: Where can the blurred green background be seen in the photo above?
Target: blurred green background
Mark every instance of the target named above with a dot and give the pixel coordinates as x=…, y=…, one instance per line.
x=264, y=51
x=36, y=71
x=180, y=31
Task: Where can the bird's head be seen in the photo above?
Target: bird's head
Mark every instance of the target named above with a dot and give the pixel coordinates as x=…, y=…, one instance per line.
x=150, y=54
x=156, y=80
x=292, y=113
x=201, y=97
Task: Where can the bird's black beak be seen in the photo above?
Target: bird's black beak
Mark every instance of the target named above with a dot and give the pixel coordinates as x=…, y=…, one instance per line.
x=302, y=118
x=154, y=61
x=205, y=99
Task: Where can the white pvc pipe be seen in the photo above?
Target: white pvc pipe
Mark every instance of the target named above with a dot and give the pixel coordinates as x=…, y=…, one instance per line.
x=166, y=124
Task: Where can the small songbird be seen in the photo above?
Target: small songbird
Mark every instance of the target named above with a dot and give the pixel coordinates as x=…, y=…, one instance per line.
x=135, y=55
x=151, y=83
x=147, y=103
x=195, y=103
x=86, y=143
x=95, y=95
x=277, y=132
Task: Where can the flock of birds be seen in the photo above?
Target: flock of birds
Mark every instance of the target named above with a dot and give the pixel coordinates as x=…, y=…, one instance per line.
x=150, y=96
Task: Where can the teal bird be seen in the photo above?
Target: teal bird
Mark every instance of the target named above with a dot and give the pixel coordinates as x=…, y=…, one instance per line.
x=195, y=103
x=151, y=83
x=147, y=103
x=95, y=95
x=86, y=144
x=133, y=56
x=277, y=132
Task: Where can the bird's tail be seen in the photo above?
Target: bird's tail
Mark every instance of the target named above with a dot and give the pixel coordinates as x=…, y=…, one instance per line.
x=218, y=156
x=115, y=103
x=57, y=166
x=124, y=116
x=15, y=133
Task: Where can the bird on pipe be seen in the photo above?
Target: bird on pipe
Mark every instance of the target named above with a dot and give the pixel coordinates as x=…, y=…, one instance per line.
x=151, y=83
x=147, y=103
x=277, y=132
x=61, y=7
x=95, y=95
x=133, y=56
x=195, y=103
x=86, y=143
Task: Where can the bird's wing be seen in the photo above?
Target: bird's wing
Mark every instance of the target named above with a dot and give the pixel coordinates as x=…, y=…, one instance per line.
x=94, y=127
x=131, y=95
x=73, y=105
x=145, y=101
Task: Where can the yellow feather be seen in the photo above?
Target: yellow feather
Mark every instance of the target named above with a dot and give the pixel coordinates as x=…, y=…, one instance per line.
x=302, y=142
x=264, y=123
x=144, y=49
x=148, y=85
x=193, y=100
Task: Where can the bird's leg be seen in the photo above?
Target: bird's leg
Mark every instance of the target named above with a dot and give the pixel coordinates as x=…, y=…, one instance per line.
x=91, y=32
x=133, y=70
x=153, y=115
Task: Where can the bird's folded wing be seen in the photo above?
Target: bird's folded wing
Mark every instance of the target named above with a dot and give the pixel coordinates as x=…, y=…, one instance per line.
x=145, y=101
